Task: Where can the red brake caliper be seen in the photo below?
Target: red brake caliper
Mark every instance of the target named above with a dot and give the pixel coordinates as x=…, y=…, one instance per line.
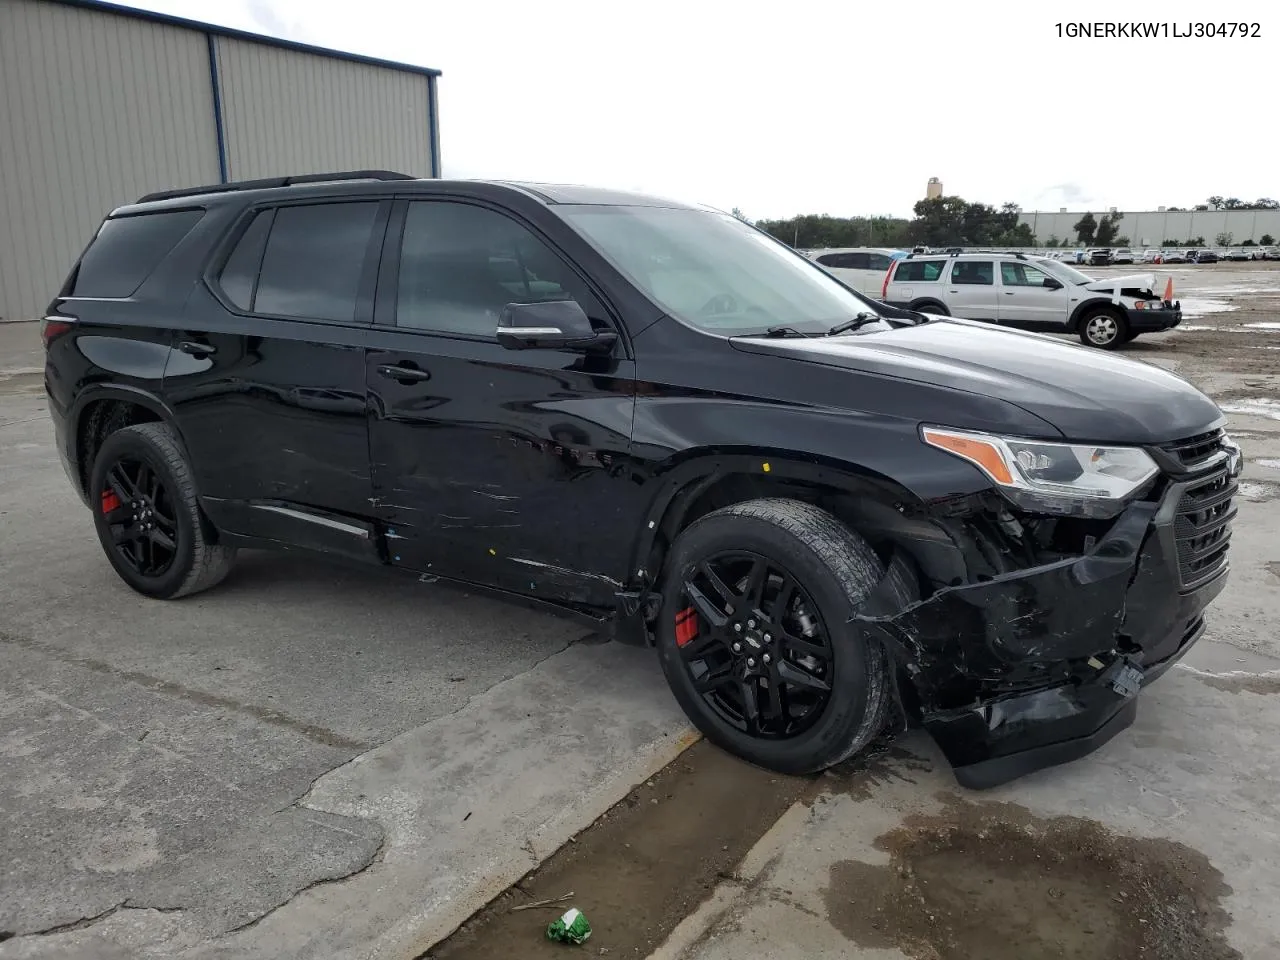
x=109, y=501
x=686, y=626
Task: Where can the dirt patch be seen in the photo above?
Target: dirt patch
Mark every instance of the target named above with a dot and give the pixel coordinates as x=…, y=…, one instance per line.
x=643, y=866
x=1273, y=568
x=1259, y=683
x=992, y=880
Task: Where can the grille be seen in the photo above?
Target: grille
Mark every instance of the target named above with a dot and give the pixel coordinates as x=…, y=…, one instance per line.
x=1202, y=527
x=1196, y=449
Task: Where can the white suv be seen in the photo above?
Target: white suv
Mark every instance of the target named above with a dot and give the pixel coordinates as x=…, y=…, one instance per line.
x=1031, y=293
x=863, y=268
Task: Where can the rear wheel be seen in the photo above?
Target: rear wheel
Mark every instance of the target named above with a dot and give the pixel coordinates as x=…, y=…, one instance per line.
x=755, y=635
x=931, y=306
x=1103, y=328
x=148, y=518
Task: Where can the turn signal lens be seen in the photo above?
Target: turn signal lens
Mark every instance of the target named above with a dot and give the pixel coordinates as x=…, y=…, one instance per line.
x=982, y=453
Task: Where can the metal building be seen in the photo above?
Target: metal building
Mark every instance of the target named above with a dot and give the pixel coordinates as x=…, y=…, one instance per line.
x=100, y=104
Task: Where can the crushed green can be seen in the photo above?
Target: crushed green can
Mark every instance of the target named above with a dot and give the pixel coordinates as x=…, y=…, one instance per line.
x=570, y=928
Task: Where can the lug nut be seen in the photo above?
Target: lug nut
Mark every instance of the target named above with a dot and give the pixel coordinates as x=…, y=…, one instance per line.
x=737, y=648
x=737, y=628
x=767, y=659
x=751, y=661
x=751, y=624
x=768, y=638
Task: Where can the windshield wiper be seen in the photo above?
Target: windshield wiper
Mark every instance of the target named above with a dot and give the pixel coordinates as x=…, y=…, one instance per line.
x=783, y=331
x=861, y=320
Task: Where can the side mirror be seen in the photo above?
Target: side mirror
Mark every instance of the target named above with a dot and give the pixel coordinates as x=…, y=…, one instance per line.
x=1052, y=284
x=551, y=325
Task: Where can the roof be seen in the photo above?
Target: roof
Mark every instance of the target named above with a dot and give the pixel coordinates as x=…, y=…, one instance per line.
x=573, y=193
x=209, y=28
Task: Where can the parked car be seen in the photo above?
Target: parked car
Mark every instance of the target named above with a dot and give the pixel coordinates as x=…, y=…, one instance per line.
x=1206, y=256
x=826, y=513
x=1237, y=255
x=1266, y=253
x=1122, y=256
x=1174, y=256
x=1152, y=256
x=1032, y=293
x=1099, y=257
x=862, y=268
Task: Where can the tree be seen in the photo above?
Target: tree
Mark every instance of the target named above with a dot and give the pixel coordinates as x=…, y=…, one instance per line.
x=1121, y=241
x=1215, y=202
x=1173, y=209
x=1085, y=229
x=1223, y=239
x=1053, y=241
x=1265, y=203
x=1108, y=227
x=1250, y=243
x=1268, y=240
x=740, y=215
x=1232, y=203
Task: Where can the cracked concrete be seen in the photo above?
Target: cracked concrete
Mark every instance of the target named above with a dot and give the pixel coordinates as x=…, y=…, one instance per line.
x=172, y=772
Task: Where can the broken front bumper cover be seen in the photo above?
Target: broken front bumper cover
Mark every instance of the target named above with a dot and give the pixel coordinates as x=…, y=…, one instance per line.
x=1059, y=651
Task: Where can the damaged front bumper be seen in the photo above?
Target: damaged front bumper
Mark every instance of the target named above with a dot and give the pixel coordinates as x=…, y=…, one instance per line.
x=1042, y=665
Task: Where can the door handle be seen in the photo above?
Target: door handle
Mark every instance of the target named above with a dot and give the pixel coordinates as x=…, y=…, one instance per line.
x=1008, y=293
x=404, y=374
x=197, y=349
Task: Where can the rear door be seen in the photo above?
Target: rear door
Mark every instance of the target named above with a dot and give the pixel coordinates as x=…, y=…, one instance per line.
x=1030, y=298
x=873, y=280
x=849, y=267
x=268, y=379
x=502, y=467
x=971, y=289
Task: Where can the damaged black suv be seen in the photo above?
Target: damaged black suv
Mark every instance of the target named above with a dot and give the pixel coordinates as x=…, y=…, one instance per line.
x=832, y=517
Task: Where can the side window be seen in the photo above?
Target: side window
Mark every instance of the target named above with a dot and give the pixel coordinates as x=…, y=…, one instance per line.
x=239, y=277
x=878, y=261
x=974, y=272
x=314, y=260
x=127, y=250
x=918, y=271
x=841, y=261
x=1021, y=275
x=461, y=264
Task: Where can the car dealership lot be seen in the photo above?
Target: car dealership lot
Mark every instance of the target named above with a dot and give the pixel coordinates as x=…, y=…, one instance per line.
x=312, y=761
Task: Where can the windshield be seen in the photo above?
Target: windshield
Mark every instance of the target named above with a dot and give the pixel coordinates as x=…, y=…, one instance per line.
x=715, y=272
x=1064, y=272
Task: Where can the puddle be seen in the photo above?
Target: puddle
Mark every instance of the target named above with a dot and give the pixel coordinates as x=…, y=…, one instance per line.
x=1269, y=464
x=1253, y=407
x=1199, y=307
x=1193, y=326
x=1263, y=684
x=1263, y=325
x=992, y=880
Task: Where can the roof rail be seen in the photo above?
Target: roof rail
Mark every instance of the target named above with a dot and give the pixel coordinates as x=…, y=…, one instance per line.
x=275, y=182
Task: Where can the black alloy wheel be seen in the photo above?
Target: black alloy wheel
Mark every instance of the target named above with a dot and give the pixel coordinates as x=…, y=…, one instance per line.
x=139, y=511
x=754, y=645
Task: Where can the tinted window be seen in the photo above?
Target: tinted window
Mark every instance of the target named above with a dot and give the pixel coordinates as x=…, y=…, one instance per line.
x=918, y=271
x=878, y=261
x=314, y=261
x=979, y=272
x=461, y=264
x=1021, y=275
x=127, y=250
x=239, y=276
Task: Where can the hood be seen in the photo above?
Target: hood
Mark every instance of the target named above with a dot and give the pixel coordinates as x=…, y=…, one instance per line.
x=1135, y=281
x=1087, y=394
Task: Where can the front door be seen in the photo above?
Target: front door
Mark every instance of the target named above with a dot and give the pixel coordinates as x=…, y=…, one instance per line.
x=1031, y=299
x=502, y=467
x=971, y=290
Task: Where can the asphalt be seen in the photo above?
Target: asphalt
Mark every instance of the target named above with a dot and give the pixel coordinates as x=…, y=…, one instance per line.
x=309, y=761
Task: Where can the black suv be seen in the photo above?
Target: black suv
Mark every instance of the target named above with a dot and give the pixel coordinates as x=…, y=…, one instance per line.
x=831, y=517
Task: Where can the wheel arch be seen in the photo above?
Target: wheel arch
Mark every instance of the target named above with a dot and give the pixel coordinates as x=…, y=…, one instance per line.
x=920, y=303
x=102, y=410
x=1093, y=303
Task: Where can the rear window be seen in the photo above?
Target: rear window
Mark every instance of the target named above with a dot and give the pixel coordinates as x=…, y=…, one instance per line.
x=844, y=261
x=918, y=271
x=127, y=250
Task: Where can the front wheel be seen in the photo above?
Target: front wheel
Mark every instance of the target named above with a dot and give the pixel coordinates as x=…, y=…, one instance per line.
x=1104, y=329
x=756, y=639
x=148, y=518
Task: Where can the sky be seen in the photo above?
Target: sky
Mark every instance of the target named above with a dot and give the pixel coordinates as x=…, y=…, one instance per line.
x=844, y=108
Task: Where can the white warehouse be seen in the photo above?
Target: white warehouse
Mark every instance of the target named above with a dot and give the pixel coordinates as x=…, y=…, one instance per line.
x=100, y=104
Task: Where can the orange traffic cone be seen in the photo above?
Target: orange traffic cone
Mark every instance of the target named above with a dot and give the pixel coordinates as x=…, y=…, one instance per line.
x=1168, y=291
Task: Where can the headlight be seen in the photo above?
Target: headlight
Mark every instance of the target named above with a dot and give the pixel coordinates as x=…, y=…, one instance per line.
x=1071, y=478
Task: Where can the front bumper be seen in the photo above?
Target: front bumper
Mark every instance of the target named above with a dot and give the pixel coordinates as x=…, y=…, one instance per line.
x=1043, y=646
x=1148, y=321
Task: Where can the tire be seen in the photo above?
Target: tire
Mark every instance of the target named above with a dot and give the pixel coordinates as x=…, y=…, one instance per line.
x=1130, y=336
x=124, y=498
x=834, y=570
x=1103, y=328
x=932, y=306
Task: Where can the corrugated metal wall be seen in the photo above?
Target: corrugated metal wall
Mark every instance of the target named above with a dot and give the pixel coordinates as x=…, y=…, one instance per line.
x=323, y=114
x=1153, y=227
x=95, y=110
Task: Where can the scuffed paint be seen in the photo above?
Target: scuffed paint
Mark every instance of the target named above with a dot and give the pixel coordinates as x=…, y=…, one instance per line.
x=566, y=572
